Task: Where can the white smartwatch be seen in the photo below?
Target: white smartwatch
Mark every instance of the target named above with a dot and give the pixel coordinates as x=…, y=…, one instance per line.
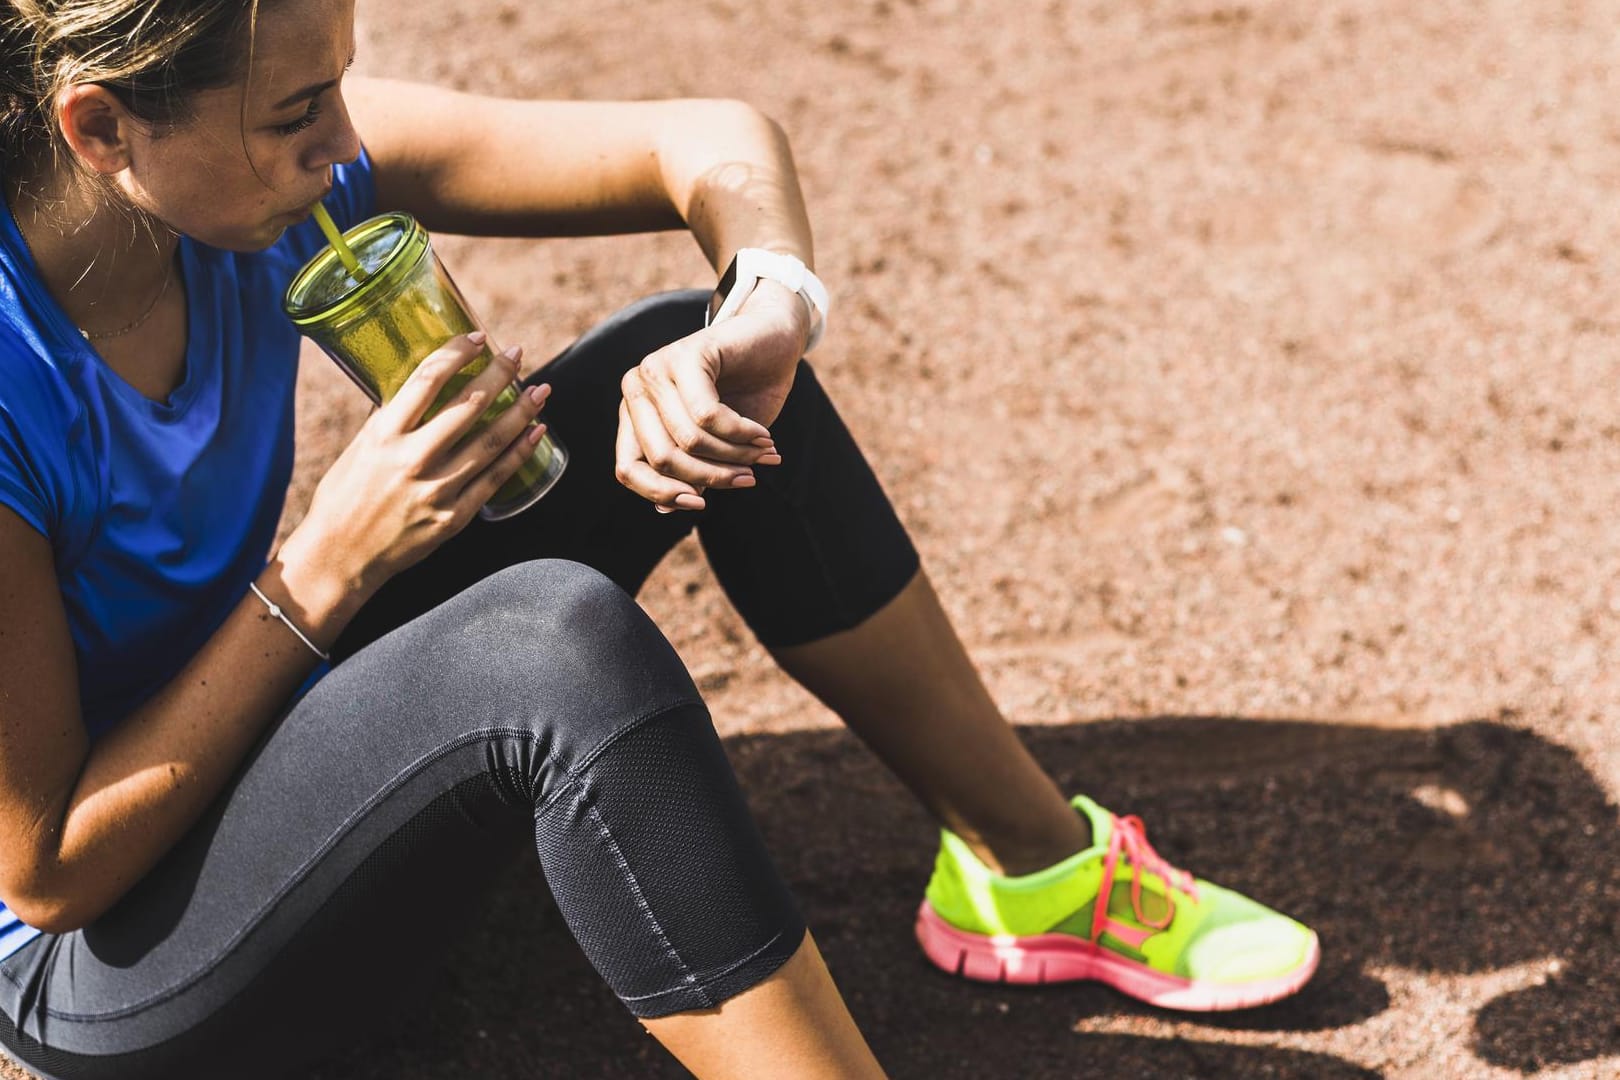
x=748, y=266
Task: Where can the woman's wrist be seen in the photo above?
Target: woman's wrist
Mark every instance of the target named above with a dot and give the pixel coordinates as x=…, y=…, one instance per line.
x=771, y=300
x=317, y=593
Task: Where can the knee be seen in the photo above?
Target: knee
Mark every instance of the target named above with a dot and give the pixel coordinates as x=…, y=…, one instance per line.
x=560, y=633
x=544, y=599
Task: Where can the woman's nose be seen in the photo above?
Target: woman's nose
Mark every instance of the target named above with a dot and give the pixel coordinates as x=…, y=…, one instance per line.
x=340, y=142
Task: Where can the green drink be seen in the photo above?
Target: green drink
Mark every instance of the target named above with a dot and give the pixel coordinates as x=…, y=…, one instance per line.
x=379, y=324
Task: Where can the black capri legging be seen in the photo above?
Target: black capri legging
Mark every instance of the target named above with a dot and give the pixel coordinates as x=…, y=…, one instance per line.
x=502, y=692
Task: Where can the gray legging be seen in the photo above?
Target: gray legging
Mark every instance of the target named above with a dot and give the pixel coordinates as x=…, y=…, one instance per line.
x=478, y=710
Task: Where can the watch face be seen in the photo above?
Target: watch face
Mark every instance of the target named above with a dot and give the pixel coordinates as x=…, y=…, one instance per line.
x=728, y=281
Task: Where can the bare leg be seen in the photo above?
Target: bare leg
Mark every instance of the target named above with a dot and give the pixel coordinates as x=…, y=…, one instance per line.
x=793, y=1025
x=904, y=684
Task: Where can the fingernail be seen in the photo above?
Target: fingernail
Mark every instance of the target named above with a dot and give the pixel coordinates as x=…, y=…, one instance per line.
x=689, y=502
x=664, y=509
x=535, y=395
x=477, y=337
x=769, y=459
x=746, y=480
x=512, y=354
x=537, y=433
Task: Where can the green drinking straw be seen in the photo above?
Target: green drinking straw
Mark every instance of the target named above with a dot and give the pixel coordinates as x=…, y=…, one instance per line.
x=335, y=238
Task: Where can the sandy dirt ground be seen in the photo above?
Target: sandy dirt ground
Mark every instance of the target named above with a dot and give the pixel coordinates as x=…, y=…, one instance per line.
x=1246, y=374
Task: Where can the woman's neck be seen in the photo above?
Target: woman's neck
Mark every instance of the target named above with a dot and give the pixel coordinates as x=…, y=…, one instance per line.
x=104, y=262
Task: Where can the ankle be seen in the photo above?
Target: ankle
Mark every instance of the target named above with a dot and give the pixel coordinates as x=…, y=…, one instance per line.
x=1015, y=855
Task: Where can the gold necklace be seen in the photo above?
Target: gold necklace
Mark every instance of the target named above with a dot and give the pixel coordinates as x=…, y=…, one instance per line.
x=103, y=335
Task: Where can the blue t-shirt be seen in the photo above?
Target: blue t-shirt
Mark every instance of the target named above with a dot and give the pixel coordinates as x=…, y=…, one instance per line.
x=159, y=513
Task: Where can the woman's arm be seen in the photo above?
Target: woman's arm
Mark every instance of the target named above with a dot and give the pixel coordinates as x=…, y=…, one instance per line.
x=491, y=166
x=81, y=822
x=695, y=414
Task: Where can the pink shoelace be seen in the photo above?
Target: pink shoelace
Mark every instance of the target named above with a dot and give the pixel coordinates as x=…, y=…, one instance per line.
x=1129, y=836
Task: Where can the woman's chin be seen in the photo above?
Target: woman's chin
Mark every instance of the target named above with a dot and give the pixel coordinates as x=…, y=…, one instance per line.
x=249, y=242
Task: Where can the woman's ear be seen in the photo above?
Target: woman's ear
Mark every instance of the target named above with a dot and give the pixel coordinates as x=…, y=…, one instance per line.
x=97, y=126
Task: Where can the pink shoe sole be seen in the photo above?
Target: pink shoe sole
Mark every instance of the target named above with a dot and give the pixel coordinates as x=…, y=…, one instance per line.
x=1050, y=958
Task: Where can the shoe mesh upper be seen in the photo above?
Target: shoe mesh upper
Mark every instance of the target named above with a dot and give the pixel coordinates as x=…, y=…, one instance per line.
x=1220, y=936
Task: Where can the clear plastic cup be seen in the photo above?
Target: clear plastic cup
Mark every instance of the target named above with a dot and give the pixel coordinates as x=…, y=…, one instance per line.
x=379, y=328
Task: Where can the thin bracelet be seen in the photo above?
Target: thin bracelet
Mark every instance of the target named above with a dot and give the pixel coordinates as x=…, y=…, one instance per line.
x=277, y=613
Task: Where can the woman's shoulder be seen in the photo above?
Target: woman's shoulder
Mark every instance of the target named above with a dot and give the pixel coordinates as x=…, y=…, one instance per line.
x=36, y=385
x=40, y=431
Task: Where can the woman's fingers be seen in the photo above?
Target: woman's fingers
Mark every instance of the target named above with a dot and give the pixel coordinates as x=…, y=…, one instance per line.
x=487, y=482
x=681, y=379
x=634, y=471
x=483, y=447
x=700, y=399
x=415, y=399
x=455, y=414
x=688, y=429
x=659, y=449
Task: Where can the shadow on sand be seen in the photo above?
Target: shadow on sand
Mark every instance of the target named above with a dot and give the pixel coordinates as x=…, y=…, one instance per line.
x=1454, y=851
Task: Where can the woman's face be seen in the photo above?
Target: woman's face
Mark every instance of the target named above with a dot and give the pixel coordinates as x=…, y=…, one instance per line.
x=255, y=157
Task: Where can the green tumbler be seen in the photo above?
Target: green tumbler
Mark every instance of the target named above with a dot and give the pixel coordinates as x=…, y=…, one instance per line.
x=378, y=328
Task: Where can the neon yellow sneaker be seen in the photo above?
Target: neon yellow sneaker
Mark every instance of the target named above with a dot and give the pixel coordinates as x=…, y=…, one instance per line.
x=1162, y=937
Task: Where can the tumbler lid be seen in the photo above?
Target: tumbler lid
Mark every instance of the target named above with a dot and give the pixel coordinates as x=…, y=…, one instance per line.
x=388, y=247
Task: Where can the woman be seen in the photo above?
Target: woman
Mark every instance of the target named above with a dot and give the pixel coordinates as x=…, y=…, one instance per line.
x=209, y=872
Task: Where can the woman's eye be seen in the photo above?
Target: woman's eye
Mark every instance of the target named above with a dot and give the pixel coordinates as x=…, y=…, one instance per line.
x=304, y=121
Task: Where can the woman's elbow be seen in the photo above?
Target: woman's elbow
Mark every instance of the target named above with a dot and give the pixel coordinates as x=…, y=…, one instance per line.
x=49, y=917
x=46, y=910
x=735, y=114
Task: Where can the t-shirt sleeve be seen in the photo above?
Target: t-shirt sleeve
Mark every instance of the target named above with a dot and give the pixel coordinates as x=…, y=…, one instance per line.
x=353, y=198
x=30, y=430
x=21, y=486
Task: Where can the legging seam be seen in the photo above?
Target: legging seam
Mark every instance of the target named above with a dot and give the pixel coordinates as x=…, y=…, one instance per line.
x=304, y=869
x=710, y=977
x=573, y=775
x=635, y=889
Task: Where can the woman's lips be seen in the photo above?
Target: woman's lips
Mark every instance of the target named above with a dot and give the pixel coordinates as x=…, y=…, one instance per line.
x=303, y=212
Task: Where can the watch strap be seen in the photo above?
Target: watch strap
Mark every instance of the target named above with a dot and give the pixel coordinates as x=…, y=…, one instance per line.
x=749, y=266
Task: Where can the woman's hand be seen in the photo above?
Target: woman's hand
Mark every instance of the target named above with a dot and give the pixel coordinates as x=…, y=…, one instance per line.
x=694, y=413
x=405, y=485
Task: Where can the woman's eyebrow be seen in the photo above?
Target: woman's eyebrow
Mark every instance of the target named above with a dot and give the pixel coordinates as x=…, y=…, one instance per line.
x=311, y=91
x=306, y=92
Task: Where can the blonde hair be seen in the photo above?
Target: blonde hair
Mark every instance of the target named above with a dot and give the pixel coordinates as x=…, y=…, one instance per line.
x=153, y=54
